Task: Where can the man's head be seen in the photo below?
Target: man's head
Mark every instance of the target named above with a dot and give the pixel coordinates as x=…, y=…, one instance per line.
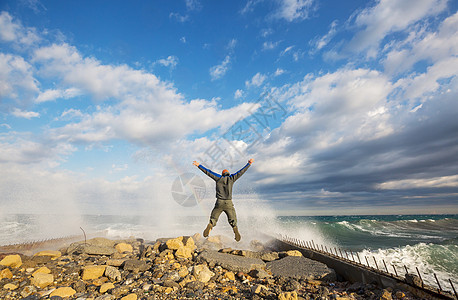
x=225, y=172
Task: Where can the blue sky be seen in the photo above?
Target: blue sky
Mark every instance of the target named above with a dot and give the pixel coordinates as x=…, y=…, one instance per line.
x=105, y=104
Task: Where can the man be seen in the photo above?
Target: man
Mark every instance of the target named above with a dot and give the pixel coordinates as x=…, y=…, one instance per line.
x=224, y=183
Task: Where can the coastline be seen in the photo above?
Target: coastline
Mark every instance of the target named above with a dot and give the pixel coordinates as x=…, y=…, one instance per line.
x=173, y=268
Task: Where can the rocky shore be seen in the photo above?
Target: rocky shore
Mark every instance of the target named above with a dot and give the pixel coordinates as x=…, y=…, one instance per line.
x=174, y=268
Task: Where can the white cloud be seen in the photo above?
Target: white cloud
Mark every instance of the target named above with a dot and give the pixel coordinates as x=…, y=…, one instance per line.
x=171, y=61
x=324, y=40
x=286, y=50
x=256, y=81
x=435, y=182
x=14, y=32
x=51, y=95
x=279, y=72
x=238, y=94
x=183, y=40
x=231, y=45
x=269, y=45
x=25, y=114
x=291, y=10
x=218, y=71
x=16, y=78
x=390, y=16
x=193, y=5
x=249, y=6
x=433, y=46
x=180, y=18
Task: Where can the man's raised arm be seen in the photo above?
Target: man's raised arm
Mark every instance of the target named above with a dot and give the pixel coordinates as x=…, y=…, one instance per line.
x=208, y=172
x=242, y=170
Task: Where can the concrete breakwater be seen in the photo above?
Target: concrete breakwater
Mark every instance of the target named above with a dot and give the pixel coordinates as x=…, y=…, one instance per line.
x=350, y=267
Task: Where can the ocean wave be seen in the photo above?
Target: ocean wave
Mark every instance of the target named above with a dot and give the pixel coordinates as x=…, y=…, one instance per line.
x=430, y=259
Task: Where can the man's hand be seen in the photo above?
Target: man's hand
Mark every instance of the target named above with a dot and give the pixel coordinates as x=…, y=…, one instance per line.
x=251, y=161
x=195, y=163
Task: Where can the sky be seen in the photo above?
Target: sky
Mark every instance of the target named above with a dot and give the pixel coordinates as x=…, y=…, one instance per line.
x=347, y=107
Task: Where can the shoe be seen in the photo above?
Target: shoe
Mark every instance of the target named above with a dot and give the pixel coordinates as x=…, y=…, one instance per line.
x=207, y=230
x=237, y=234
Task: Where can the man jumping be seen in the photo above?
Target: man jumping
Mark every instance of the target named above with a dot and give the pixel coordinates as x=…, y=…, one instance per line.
x=224, y=203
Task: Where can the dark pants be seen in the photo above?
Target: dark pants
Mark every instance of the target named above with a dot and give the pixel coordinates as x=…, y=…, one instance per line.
x=228, y=207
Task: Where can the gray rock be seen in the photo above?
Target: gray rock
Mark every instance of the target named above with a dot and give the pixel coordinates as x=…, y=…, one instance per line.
x=135, y=266
x=112, y=273
x=171, y=283
x=260, y=273
x=231, y=262
x=300, y=267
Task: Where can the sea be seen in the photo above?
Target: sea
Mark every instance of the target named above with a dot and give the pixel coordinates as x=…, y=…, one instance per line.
x=428, y=243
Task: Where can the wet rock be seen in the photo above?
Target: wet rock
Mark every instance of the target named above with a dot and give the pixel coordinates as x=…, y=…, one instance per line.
x=12, y=261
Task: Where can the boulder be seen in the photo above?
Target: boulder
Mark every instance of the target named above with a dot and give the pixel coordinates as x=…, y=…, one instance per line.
x=123, y=247
x=13, y=261
x=293, y=253
x=135, y=265
x=50, y=253
x=175, y=244
x=202, y=273
x=95, y=246
x=300, y=267
x=230, y=262
x=270, y=256
x=112, y=273
x=6, y=273
x=63, y=292
x=93, y=272
x=42, y=280
x=184, y=252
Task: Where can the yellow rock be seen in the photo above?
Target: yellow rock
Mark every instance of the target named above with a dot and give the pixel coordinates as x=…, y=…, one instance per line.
x=400, y=295
x=52, y=254
x=184, y=252
x=226, y=289
x=10, y=286
x=229, y=275
x=183, y=272
x=124, y=247
x=175, y=244
x=42, y=280
x=13, y=261
x=288, y=296
x=42, y=270
x=99, y=281
x=189, y=242
x=293, y=253
x=106, y=286
x=63, y=292
x=6, y=273
x=93, y=272
x=129, y=297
